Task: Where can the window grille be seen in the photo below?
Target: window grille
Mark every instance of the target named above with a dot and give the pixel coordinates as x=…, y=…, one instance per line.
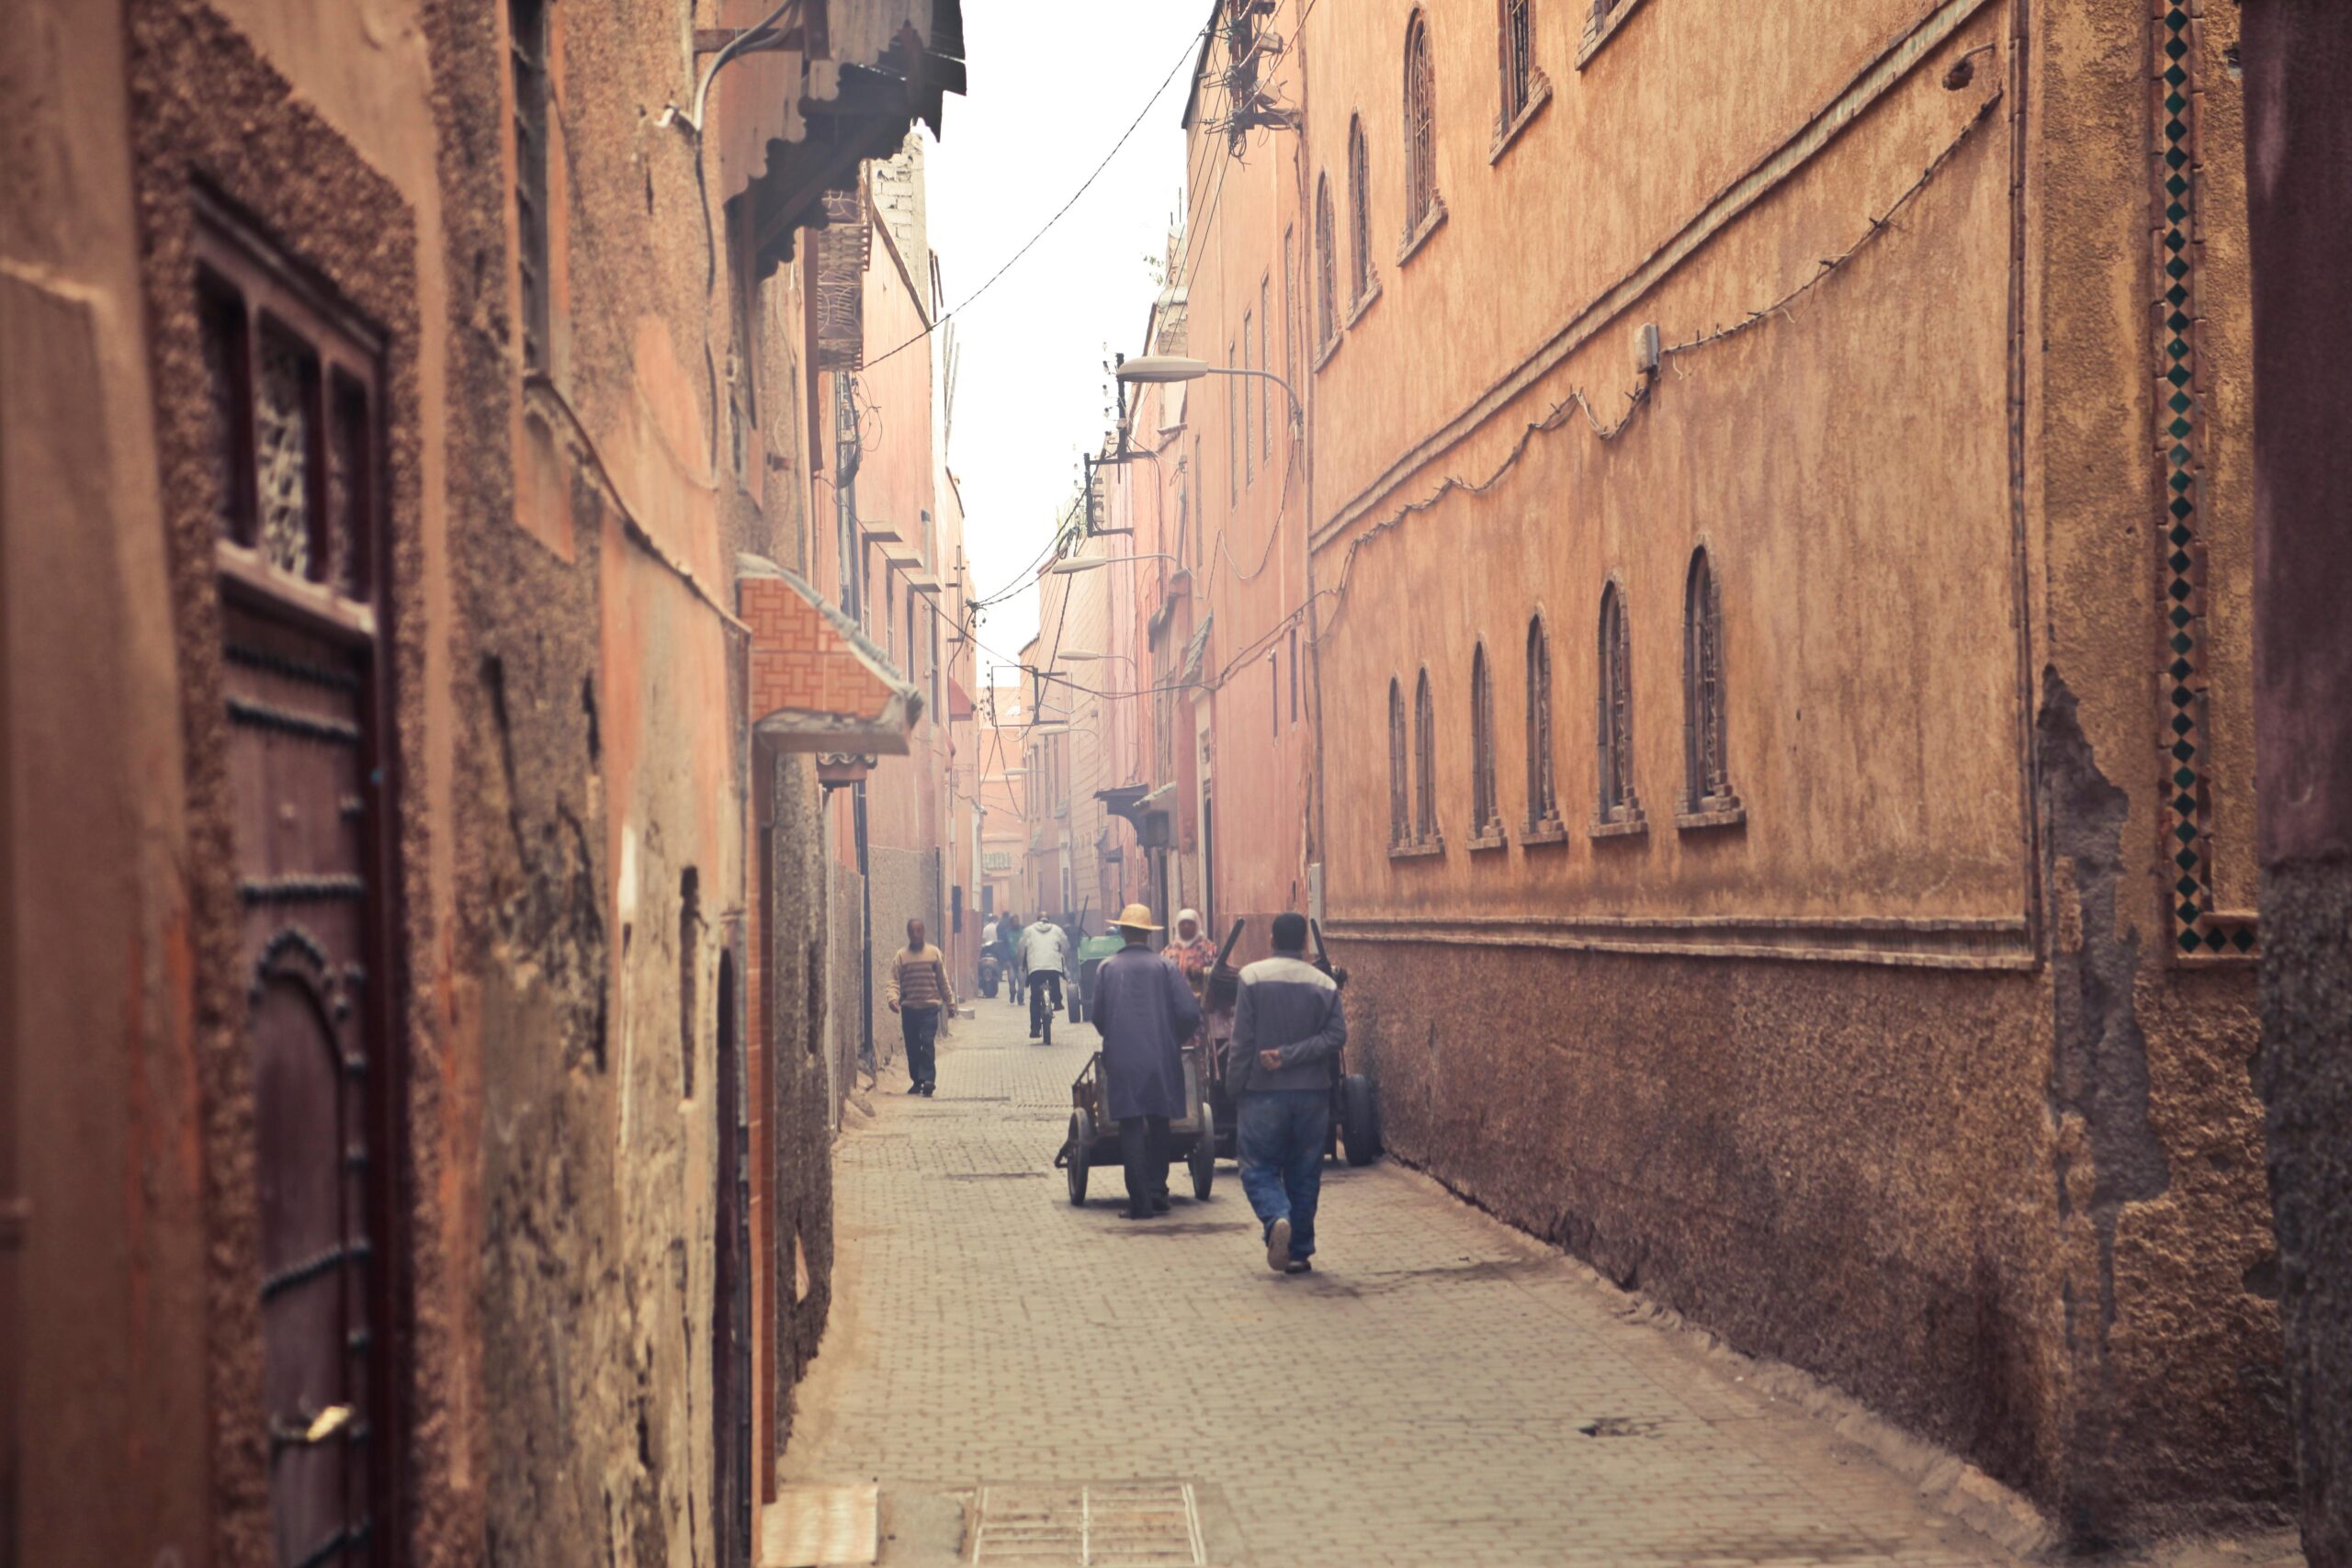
x=1294, y=674
x=1616, y=713
x=1233, y=431
x=1485, y=813
x=291, y=398
x=1359, y=211
x=1400, y=798
x=1249, y=389
x=1290, y=306
x=1518, y=57
x=1266, y=362
x=1327, y=267
x=1543, y=793
x=1420, y=126
x=1424, y=763
x=526, y=25
x=844, y=247
x=1706, y=771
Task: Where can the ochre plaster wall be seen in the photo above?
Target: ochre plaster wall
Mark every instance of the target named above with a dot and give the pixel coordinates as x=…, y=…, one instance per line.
x=1896, y=1077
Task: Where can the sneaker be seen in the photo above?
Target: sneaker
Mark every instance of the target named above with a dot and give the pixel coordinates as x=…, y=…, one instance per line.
x=1298, y=1265
x=1278, y=1245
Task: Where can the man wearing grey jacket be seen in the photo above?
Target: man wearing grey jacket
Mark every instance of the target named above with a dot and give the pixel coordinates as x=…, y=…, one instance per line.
x=1287, y=1030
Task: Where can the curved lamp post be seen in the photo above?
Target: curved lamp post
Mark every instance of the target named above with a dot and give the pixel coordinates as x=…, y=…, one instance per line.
x=1153, y=369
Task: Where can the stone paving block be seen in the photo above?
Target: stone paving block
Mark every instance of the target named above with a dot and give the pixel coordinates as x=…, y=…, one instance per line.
x=1441, y=1389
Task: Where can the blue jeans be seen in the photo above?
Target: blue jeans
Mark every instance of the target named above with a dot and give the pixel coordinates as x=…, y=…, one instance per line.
x=1282, y=1136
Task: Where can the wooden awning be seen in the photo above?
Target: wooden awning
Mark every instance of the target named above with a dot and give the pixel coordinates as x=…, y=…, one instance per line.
x=817, y=683
x=843, y=83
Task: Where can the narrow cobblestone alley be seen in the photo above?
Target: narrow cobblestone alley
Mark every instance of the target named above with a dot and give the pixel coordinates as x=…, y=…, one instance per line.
x=1442, y=1390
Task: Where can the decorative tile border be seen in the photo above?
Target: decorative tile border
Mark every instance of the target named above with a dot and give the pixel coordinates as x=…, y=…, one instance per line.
x=2200, y=932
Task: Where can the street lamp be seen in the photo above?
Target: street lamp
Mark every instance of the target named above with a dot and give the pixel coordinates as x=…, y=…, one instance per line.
x=1076, y=564
x=1157, y=368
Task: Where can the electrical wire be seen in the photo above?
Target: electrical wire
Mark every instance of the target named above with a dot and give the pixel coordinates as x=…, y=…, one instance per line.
x=1190, y=44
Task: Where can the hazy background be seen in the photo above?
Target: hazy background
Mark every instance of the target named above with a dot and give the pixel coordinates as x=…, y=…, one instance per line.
x=1054, y=84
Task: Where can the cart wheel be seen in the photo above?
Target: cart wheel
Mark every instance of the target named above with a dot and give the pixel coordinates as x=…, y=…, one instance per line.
x=1360, y=1118
x=1204, y=1158
x=1081, y=1149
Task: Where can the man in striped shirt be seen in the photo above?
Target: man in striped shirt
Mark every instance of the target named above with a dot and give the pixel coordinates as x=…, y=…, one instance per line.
x=918, y=990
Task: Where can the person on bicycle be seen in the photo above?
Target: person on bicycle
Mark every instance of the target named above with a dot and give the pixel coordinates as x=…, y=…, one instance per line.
x=1045, y=960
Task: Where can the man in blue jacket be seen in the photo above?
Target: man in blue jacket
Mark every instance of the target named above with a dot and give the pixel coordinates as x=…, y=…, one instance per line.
x=1287, y=1030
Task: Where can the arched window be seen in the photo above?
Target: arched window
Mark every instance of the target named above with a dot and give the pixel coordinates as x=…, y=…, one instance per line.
x=1400, y=794
x=1420, y=126
x=1424, y=763
x=1486, y=810
x=1617, y=802
x=1359, y=212
x=1706, y=771
x=1542, y=792
x=1518, y=57
x=1326, y=267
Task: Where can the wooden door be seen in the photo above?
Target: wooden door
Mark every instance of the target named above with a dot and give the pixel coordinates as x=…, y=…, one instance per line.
x=296, y=437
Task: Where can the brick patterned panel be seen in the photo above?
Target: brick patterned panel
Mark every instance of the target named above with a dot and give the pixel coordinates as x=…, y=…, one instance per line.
x=802, y=664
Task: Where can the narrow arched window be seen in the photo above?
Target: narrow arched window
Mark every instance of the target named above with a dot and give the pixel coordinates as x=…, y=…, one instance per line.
x=1326, y=267
x=1615, y=714
x=1400, y=795
x=1424, y=763
x=1420, y=126
x=1518, y=57
x=1706, y=770
x=1542, y=791
x=1359, y=212
x=1486, y=810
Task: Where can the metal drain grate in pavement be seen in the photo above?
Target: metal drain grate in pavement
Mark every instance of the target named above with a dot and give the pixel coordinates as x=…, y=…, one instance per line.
x=1126, y=1525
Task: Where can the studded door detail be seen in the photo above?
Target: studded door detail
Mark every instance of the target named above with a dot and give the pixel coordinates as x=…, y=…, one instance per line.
x=298, y=768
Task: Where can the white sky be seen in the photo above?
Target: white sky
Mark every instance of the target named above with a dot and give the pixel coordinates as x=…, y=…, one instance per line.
x=1053, y=82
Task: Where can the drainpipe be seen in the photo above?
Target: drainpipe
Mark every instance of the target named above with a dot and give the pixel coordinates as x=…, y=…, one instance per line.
x=867, y=934
x=864, y=936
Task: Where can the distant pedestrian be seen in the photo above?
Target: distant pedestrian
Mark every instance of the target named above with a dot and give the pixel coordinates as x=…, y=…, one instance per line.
x=1287, y=1032
x=918, y=990
x=1008, y=941
x=1042, y=962
x=1145, y=1013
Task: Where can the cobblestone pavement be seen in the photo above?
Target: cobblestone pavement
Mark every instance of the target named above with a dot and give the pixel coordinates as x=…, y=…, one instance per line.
x=1442, y=1390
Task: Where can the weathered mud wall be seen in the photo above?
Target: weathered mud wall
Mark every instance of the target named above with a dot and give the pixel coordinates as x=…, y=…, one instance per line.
x=1901, y=1062
x=806, y=1105
x=2298, y=77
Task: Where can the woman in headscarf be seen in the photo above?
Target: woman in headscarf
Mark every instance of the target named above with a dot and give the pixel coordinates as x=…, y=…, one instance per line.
x=1191, y=951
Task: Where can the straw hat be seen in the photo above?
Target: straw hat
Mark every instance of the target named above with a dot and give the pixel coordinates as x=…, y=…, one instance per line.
x=1134, y=918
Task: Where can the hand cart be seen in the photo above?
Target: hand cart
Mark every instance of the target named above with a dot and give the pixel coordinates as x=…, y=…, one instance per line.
x=1094, y=1136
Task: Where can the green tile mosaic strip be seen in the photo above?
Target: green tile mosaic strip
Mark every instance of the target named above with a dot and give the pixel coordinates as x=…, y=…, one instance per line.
x=2200, y=931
